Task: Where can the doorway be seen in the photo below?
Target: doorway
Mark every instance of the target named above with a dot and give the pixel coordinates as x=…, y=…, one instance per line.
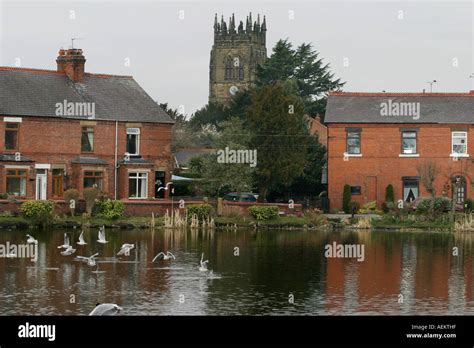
x=41, y=184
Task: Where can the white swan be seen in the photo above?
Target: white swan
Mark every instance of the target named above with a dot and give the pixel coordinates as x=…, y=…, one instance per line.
x=102, y=235
x=31, y=240
x=163, y=256
x=106, y=309
x=90, y=260
x=203, y=266
x=66, y=244
x=125, y=249
x=68, y=251
x=81, y=239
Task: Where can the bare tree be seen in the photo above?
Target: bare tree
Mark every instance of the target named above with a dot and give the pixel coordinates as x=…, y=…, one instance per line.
x=428, y=171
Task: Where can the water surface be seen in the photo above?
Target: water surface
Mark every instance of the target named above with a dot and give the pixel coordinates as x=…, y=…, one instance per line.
x=272, y=267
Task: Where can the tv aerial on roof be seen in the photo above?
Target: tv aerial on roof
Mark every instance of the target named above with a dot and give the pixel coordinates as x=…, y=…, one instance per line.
x=74, y=39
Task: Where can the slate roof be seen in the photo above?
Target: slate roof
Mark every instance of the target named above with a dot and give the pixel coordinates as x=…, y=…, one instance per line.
x=34, y=92
x=348, y=107
x=89, y=160
x=11, y=158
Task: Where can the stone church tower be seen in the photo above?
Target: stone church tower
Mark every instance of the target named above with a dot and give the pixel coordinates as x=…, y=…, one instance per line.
x=234, y=56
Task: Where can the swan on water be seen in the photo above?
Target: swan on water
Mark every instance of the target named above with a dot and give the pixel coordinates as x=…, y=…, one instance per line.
x=163, y=256
x=125, y=249
x=203, y=266
x=102, y=235
x=31, y=240
x=68, y=251
x=81, y=239
x=66, y=244
x=90, y=260
x=106, y=309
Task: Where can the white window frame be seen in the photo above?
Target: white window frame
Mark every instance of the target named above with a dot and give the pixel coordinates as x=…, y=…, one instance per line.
x=405, y=151
x=456, y=134
x=134, y=131
x=138, y=178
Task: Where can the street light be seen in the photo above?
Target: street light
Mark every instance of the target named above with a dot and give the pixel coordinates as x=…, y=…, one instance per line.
x=431, y=85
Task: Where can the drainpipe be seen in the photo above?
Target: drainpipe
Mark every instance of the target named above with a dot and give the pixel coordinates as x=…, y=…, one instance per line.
x=115, y=166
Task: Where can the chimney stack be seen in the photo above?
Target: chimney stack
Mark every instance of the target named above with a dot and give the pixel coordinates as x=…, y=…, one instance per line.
x=72, y=62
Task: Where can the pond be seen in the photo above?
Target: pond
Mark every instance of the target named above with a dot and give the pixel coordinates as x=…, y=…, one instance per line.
x=276, y=272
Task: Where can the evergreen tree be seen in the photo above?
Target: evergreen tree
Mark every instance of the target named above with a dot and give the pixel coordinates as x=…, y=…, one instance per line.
x=276, y=118
x=302, y=65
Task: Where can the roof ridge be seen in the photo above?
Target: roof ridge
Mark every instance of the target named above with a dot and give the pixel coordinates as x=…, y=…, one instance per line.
x=55, y=72
x=407, y=94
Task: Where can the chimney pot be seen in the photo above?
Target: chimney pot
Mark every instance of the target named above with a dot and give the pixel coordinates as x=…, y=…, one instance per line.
x=72, y=63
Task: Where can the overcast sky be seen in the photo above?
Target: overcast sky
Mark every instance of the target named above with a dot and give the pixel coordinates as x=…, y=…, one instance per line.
x=393, y=46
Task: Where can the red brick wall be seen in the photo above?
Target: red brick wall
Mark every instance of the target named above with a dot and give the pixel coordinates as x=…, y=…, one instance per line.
x=58, y=141
x=317, y=128
x=380, y=164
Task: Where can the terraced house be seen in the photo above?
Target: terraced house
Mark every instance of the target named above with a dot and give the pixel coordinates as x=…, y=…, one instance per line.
x=377, y=139
x=66, y=128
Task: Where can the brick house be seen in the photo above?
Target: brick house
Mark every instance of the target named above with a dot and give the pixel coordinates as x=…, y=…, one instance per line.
x=71, y=129
x=377, y=139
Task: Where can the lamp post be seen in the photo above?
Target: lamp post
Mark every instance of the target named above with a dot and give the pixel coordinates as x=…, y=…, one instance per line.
x=431, y=85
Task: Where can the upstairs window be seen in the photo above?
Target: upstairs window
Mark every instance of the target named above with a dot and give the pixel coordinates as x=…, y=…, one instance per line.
x=408, y=142
x=459, y=143
x=353, y=142
x=11, y=136
x=133, y=141
x=87, y=139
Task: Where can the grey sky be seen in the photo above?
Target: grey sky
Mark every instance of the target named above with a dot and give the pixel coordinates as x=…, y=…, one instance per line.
x=169, y=56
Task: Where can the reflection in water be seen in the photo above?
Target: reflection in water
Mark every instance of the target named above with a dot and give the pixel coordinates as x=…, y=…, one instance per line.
x=402, y=273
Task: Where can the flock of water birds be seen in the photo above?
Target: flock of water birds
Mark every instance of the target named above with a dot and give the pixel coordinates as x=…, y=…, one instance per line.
x=68, y=250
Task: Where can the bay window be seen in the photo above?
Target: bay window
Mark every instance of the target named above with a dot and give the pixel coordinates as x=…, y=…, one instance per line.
x=138, y=185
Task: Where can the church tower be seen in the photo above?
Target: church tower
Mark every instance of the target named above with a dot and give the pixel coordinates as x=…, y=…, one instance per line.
x=235, y=55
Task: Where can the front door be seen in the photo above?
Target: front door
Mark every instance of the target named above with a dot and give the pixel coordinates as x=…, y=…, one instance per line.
x=159, y=184
x=459, y=190
x=41, y=184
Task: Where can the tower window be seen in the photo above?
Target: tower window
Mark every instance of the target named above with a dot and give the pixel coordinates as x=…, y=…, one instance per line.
x=241, y=72
x=228, y=69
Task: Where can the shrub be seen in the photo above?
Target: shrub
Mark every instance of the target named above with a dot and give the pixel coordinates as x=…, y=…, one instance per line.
x=3, y=195
x=369, y=208
x=441, y=204
x=71, y=194
x=354, y=207
x=201, y=210
x=346, y=199
x=6, y=213
x=40, y=213
x=263, y=212
x=364, y=223
x=110, y=209
x=316, y=217
x=389, y=195
x=90, y=195
x=469, y=205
